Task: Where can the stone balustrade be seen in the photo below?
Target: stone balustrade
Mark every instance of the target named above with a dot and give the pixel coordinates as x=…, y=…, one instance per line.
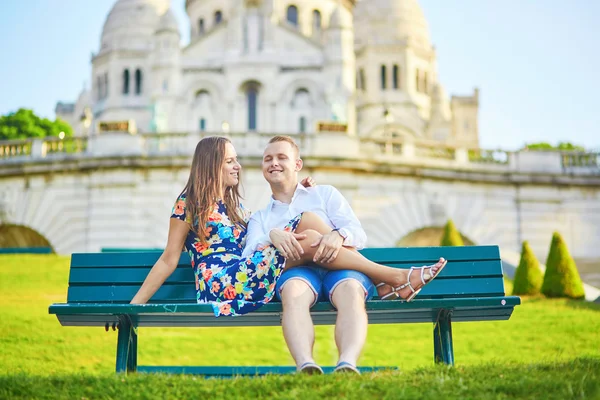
x=396, y=151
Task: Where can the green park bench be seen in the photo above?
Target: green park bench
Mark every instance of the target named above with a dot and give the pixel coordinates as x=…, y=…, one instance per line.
x=470, y=288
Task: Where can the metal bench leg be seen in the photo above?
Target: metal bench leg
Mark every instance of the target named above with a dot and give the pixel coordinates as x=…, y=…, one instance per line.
x=132, y=357
x=126, y=346
x=442, y=338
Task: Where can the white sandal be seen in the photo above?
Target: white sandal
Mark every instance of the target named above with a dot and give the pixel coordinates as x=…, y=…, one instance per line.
x=390, y=294
x=425, y=279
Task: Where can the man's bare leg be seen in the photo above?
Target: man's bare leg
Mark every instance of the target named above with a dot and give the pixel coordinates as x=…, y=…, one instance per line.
x=297, y=324
x=352, y=321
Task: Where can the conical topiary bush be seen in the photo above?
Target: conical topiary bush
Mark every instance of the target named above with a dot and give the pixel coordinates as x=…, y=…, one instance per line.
x=561, y=278
x=451, y=235
x=528, y=277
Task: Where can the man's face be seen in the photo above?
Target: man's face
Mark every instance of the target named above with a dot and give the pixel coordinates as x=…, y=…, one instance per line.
x=280, y=163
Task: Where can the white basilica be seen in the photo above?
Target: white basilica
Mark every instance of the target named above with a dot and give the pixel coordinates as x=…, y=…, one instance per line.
x=365, y=67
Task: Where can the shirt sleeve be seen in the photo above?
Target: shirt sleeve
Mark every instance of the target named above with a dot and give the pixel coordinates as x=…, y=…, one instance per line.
x=343, y=218
x=179, y=210
x=256, y=235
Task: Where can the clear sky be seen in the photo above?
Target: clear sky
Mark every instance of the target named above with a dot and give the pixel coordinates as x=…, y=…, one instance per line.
x=536, y=62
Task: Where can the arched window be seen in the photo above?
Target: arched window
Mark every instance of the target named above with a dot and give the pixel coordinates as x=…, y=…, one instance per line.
x=316, y=21
x=292, y=15
x=424, y=88
x=138, y=81
x=363, y=82
x=252, y=101
x=201, y=26
x=301, y=99
x=395, y=77
x=302, y=125
x=218, y=17
x=383, y=77
x=126, y=81
x=202, y=125
x=99, y=90
x=106, y=84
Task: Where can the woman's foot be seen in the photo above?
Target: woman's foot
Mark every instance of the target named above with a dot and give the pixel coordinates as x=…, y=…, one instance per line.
x=415, y=278
x=386, y=292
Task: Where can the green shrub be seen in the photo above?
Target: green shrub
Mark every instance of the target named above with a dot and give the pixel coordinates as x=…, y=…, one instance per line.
x=528, y=277
x=561, y=278
x=451, y=236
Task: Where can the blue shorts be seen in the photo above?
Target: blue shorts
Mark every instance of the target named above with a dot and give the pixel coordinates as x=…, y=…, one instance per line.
x=323, y=282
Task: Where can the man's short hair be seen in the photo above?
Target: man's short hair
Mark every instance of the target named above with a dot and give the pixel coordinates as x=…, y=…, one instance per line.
x=288, y=139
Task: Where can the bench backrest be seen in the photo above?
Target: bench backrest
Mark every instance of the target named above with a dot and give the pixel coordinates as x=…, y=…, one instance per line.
x=472, y=271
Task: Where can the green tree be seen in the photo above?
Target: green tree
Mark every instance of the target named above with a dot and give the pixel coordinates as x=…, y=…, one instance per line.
x=528, y=277
x=561, y=278
x=566, y=146
x=451, y=236
x=26, y=124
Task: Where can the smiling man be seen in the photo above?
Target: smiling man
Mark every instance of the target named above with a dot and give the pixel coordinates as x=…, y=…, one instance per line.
x=301, y=287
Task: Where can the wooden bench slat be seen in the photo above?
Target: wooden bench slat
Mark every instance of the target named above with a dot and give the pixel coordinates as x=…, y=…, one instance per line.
x=431, y=254
x=178, y=292
x=184, y=274
x=273, y=307
x=273, y=318
x=413, y=256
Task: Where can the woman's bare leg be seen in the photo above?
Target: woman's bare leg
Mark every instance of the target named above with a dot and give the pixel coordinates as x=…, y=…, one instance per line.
x=312, y=225
x=313, y=221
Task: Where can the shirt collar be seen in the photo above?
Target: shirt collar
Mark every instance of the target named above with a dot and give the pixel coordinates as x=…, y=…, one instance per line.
x=299, y=189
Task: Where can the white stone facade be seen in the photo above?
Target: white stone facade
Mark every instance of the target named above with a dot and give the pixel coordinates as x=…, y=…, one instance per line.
x=275, y=66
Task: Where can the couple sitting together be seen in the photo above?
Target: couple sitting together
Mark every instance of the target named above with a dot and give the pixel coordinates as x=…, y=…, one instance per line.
x=301, y=248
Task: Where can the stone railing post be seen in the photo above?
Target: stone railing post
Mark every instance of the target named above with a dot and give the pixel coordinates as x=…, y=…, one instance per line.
x=38, y=148
x=461, y=156
x=408, y=150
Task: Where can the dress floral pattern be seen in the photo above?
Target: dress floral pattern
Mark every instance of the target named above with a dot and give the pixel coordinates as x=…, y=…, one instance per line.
x=232, y=284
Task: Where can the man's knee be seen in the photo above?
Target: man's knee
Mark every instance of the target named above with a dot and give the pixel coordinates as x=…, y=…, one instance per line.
x=348, y=294
x=296, y=293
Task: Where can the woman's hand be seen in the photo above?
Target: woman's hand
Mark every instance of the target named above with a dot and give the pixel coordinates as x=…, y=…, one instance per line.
x=308, y=182
x=287, y=243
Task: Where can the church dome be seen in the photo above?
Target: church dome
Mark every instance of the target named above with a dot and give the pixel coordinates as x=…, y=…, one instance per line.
x=168, y=22
x=132, y=19
x=339, y=19
x=391, y=21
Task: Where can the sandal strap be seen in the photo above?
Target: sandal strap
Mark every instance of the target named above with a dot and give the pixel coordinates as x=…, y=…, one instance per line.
x=407, y=284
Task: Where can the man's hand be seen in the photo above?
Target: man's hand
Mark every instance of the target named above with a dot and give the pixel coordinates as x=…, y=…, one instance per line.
x=287, y=243
x=329, y=247
x=308, y=182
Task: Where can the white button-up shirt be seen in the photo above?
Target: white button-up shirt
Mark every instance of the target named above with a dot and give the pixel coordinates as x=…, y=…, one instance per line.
x=324, y=200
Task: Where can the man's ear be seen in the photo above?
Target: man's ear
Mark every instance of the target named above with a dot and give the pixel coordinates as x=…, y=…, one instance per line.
x=299, y=164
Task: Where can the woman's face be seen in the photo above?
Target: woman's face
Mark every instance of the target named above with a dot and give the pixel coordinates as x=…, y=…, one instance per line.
x=231, y=167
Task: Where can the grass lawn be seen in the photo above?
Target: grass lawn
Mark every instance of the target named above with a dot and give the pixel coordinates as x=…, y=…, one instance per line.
x=543, y=335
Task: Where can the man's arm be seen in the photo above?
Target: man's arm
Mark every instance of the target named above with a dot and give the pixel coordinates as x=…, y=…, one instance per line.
x=347, y=229
x=343, y=218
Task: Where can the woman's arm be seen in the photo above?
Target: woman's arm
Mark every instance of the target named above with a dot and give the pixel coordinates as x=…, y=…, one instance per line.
x=167, y=262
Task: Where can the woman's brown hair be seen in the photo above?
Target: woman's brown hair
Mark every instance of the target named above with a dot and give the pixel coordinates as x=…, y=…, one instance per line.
x=203, y=188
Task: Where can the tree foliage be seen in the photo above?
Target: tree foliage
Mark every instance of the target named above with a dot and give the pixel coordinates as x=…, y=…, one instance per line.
x=561, y=278
x=451, y=236
x=25, y=124
x=528, y=277
x=565, y=146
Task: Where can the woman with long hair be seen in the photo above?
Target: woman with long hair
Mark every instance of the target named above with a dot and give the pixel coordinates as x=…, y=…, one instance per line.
x=209, y=221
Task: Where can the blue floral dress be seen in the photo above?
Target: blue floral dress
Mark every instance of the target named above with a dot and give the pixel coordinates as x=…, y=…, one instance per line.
x=232, y=284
